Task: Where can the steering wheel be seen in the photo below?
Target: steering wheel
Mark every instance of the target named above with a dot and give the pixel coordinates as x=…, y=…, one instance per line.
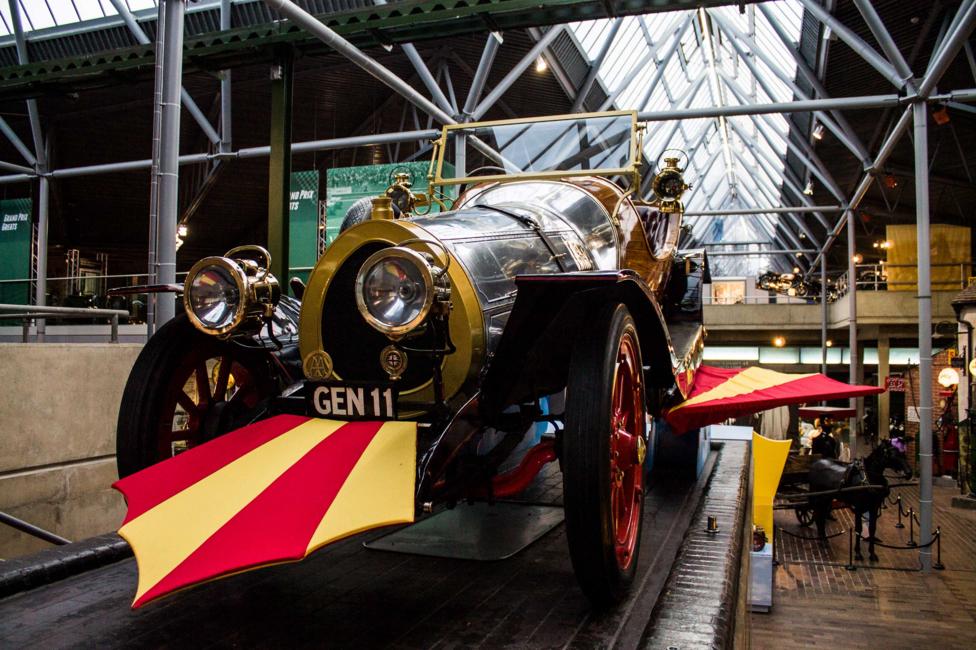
x=475, y=172
x=400, y=169
x=682, y=158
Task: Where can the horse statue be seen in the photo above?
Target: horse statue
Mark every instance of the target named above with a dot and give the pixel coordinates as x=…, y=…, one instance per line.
x=826, y=474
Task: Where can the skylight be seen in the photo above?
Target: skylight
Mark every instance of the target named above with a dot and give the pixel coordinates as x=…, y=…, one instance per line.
x=729, y=158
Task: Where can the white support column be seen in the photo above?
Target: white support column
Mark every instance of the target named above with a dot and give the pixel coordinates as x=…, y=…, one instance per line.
x=823, y=315
x=884, y=369
x=920, y=121
x=852, y=323
x=169, y=154
x=226, y=94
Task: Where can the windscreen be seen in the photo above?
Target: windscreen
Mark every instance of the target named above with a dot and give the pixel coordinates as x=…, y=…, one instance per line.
x=595, y=145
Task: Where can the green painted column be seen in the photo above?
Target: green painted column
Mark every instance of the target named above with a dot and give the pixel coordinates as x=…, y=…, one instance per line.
x=279, y=166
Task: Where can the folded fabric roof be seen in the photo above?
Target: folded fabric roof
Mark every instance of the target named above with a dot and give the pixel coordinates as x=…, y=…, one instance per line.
x=722, y=393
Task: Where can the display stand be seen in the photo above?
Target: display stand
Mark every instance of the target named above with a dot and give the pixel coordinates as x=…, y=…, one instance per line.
x=474, y=532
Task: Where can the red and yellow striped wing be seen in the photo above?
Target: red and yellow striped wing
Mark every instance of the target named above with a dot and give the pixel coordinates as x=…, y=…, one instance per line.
x=721, y=393
x=271, y=492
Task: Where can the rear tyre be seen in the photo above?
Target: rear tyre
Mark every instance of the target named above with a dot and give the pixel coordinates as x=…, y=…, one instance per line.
x=185, y=388
x=603, y=451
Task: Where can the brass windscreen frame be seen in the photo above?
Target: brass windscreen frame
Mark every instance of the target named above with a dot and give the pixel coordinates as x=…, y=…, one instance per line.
x=440, y=145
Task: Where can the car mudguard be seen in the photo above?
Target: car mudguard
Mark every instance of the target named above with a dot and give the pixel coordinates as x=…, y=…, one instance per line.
x=532, y=358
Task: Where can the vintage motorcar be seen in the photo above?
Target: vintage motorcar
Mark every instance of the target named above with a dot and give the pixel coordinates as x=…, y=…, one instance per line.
x=795, y=285
x=545, y=278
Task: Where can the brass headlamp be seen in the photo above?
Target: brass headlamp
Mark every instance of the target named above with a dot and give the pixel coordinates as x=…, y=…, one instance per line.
x=668, y=185
x=231, y=294
x=397, y=288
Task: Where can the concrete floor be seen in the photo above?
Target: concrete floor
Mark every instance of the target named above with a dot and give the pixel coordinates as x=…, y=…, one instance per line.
x=889, y=605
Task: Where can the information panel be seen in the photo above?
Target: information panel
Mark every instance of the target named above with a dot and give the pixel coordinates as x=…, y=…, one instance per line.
x=303, y=223
x=15, y=250
x=345, y=185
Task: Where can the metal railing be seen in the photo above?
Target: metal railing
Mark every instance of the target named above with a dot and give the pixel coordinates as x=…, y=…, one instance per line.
x=32, y=530
x=27, y=313
x=759, y=299
x=875, y=277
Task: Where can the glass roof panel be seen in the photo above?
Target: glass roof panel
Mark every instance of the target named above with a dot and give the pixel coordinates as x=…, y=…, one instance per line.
x=703, y=69
x=44, y=14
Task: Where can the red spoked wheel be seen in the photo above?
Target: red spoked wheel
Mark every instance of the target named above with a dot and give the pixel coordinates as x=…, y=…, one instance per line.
x=185, y=388
x=627, y=450
x=603, y=452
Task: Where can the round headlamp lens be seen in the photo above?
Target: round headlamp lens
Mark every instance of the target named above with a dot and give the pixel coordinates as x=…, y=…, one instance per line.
x=214, y=297
x=395, y=292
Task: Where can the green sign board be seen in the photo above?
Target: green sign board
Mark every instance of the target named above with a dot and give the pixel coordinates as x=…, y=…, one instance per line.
x=346, y=185
x=16, y=234
x=303, y=223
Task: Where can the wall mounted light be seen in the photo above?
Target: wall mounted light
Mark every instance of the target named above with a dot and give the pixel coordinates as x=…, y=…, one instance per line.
x=779, y=341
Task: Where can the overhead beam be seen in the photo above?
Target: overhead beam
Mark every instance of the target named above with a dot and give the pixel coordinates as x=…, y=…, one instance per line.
x=777, y=251
x=191, y=106
x=514, y=73
x=811, y=77
x=736, y=38
x=328, y=36
x=591, y=76
x=771, y=210
x=862, y=49
x=481, y=73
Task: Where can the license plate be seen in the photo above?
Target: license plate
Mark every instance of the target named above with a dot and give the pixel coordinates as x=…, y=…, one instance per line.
x=351, y=401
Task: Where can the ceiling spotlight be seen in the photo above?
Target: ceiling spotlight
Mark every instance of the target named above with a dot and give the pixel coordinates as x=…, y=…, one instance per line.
x=541, y=65
x=796, y=269
x=818, y=132
x=779, y=341
x=181, y=230
x=858, y=258
x=808, y=190
x=830, y=343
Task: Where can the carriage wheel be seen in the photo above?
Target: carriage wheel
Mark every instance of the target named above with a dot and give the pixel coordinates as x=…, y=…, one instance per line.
x=804, y=516
x=185, y=388
x=603, y=453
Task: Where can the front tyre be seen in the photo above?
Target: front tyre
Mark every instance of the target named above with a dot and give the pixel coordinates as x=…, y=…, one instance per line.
x=603, y=452
x=185, y=388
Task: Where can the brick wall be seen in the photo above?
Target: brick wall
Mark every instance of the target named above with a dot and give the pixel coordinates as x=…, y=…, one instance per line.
x=939, y=361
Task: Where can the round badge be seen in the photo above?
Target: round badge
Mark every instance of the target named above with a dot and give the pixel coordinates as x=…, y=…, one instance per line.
x=317, y=365
x=393, y=361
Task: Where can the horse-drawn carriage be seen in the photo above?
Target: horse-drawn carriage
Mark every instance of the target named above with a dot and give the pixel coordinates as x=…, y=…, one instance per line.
x=813, y=485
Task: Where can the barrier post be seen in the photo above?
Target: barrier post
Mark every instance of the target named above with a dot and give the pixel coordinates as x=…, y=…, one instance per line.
x=911, y=528
x=850, y=551
x=938, y=550
x=899, y=524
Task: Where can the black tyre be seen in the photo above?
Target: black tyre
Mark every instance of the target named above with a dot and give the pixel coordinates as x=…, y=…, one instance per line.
x=603, y=451
x=185, y=388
